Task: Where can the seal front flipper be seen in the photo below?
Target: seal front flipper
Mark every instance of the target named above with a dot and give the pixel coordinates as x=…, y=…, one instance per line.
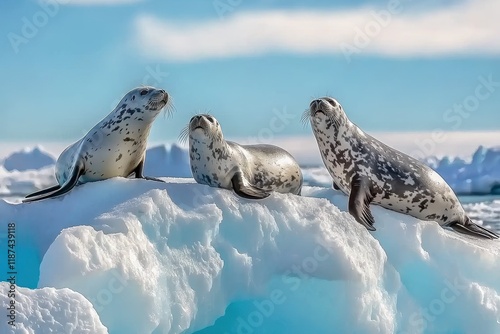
x=244, y=189
x=470, y=228
x=139, y=173
x=67, y=186
x=43, y=191
x=335, y=186
x=359, y=201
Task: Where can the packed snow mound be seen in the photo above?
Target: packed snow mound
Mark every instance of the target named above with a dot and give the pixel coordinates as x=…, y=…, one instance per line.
x=48, y=310
x=28, y=159
x=181, y=257
x=166, y=160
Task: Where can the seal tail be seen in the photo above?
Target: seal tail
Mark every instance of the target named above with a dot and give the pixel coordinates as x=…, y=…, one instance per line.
x=472, y=229
x=44, y=191
x=58, y=191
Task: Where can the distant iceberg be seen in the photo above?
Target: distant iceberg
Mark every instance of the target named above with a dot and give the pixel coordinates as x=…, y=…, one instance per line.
x=181, y=257
x=28, y=159
x=479, y=176
x=167, y=160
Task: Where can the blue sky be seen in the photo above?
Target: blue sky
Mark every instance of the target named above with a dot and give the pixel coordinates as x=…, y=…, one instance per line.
x=259, y=58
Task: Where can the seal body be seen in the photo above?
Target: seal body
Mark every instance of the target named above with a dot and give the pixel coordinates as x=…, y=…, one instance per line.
x=114, y=147
x=252, y=171
x=369, y=171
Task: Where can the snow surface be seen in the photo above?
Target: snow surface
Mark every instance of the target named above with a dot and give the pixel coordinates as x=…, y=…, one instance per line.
x=181, y=257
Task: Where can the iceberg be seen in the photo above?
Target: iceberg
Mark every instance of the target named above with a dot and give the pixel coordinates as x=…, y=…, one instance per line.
x=32, y=169
x=20, y=183
x=167, y=160
x=28, y=158
x=479, y=176
x=180, y=257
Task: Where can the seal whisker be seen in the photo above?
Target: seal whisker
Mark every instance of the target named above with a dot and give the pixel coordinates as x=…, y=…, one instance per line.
x=169, y=108
x=184, y=135
x=305, y=118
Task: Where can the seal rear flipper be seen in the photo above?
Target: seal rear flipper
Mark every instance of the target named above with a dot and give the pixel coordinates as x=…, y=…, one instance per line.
x=359, y=202
x=244, y=189
x=67, y=186
x=139, y=173
x=43, y=191
x=152, y=179
x=470, y=228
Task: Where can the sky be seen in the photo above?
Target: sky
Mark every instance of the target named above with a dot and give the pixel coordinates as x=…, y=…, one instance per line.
x=398, y=67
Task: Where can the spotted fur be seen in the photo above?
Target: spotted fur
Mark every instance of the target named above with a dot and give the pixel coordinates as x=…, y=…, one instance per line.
x=116, y=145
x=215, y=161
x=381, y=174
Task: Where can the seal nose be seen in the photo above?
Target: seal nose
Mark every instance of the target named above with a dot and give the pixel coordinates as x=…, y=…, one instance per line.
x=165, y=94
x=314, y=105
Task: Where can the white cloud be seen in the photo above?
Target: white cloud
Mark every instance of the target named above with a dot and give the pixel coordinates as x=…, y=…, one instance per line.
x=469, y=27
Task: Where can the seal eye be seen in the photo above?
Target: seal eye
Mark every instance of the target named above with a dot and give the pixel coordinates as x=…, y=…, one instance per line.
x=144, y=92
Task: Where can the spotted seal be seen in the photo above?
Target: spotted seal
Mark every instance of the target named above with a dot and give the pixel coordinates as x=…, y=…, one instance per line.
x=369, y=171
x=116, y=146
x=252, y=171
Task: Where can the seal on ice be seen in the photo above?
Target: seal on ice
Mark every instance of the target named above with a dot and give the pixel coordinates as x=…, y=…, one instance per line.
x=369, y=171
x=116, y=146
x=252, y=171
